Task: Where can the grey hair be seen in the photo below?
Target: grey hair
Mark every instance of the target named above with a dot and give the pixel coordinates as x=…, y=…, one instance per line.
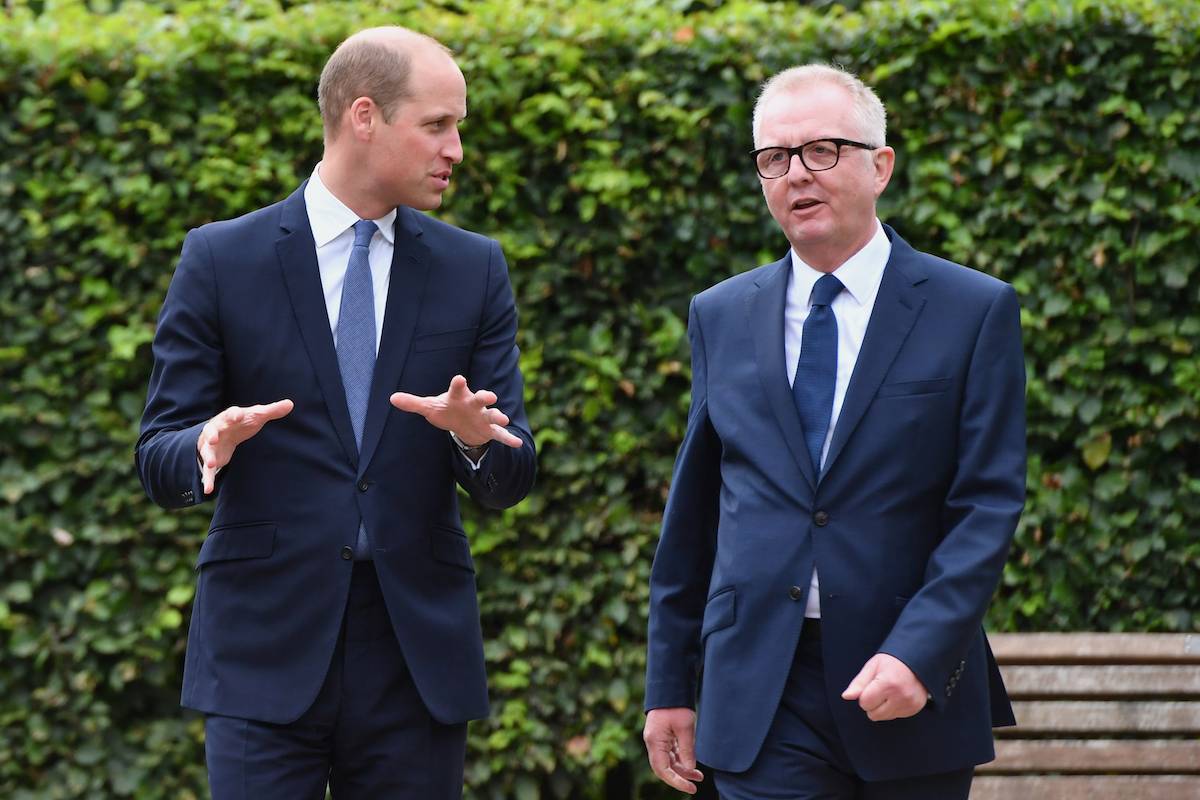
x=868, y=111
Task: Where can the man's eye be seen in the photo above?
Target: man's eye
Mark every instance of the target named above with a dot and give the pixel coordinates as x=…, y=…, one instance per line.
x=778, y=156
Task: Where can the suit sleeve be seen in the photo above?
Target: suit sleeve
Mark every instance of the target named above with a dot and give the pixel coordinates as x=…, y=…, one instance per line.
x=506, y=474
x=186, y=383
x=683, y=562
x=982, y=507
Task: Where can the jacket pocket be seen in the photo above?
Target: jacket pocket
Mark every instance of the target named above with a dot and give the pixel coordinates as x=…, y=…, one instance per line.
x=719, y=612
x=463, y=337
x=232, y=542
x=450, y=546
x=911, y=388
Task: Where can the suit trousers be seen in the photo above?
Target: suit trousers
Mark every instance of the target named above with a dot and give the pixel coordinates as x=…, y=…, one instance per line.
x=803, y=757
x=367, y=736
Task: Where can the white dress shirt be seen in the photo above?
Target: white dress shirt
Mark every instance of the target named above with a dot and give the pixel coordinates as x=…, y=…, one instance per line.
x=332, y=225
x=861, y=275
x=333, y=231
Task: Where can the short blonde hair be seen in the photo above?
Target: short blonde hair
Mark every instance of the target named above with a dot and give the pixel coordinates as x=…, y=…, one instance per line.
x=868, y=110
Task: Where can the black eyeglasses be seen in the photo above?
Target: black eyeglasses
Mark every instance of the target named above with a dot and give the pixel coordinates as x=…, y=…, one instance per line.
x=816, y=156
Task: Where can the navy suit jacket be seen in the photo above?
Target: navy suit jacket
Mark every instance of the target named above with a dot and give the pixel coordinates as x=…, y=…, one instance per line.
x=909, y=523
x=245, y=322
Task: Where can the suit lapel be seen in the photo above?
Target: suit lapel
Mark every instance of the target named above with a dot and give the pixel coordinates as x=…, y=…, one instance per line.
x=411, y=261
x=297, y=254
x=764, y=307
x=897, y=306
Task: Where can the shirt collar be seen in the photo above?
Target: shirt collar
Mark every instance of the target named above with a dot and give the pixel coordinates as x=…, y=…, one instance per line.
x=860, y=273
x=330, y=217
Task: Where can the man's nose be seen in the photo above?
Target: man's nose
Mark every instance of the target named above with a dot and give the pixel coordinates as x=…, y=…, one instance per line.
x=797, y=171
x=453, y=148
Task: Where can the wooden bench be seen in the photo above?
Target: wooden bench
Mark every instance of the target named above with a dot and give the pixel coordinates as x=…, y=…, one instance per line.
x=1099, y=717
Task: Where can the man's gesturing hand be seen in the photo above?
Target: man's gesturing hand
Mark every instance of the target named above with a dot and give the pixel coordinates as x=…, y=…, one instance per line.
x=670, y=737
x=886, y=688
x=224, y=432
x=460, y=410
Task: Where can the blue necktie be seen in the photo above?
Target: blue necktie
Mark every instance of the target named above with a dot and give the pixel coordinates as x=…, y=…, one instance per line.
x=816, y=370
x=356, y=342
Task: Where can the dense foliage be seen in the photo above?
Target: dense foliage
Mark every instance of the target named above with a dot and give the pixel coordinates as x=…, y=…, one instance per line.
x=1053, y=144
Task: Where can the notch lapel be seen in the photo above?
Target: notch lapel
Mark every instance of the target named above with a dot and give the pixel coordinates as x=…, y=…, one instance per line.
x=897, y=306
x=411, y=262
x=297, y=252
x=764, y=307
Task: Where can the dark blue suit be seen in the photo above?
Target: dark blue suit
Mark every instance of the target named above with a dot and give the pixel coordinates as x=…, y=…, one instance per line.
x=909, y=524
x=245, y=322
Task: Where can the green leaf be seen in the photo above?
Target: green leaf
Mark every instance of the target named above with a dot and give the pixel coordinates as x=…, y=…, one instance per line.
x=1096, y=450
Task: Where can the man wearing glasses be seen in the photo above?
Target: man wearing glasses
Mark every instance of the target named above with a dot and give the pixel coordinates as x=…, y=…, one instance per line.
x=845, y=495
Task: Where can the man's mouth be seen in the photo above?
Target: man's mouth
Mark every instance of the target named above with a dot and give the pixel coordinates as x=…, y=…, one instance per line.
x=801, y=205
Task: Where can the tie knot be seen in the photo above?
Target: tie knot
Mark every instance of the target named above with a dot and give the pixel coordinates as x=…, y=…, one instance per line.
x=364, y=229
x=826, y=288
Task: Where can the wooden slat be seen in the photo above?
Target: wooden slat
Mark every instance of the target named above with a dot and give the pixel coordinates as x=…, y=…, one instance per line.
x=1085, y=648
x=1097, y=755
x=1096, y=718
x=1176, y=681
x=1089, y=787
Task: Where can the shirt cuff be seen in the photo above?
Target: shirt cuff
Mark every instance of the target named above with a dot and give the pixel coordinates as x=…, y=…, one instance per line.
x=472, y=455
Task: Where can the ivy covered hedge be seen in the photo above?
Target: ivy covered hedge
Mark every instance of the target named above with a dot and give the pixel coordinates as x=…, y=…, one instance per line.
x=1053, y=144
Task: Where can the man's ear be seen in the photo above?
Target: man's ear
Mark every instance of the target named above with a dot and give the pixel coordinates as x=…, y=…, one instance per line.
x=884, y=160
x=361, y=117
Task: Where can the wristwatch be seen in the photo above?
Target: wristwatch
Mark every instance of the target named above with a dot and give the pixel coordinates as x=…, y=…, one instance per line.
x=473, y=454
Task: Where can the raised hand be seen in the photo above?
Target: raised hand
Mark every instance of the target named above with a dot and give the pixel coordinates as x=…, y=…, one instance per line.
x=223, y=433
x=466, y=413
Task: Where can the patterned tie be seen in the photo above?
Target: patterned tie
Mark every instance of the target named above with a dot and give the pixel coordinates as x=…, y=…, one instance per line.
x=356, y=342
x=816, y=370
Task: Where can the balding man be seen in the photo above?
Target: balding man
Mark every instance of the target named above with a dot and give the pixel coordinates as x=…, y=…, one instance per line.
x=326, y=369
x=845, y=496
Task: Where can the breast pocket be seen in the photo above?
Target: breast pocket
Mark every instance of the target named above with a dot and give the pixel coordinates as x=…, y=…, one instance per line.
x=436, y=358
x=913, y=388
x=912, y=415
x=444, y=340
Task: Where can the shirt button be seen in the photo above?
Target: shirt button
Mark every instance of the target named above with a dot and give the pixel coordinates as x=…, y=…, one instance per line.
x=347, y=553
x=795, y=592
x=821, y=518
x=363, y=485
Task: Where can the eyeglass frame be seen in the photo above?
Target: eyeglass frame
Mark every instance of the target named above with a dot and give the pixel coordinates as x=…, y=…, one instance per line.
x=799, y=151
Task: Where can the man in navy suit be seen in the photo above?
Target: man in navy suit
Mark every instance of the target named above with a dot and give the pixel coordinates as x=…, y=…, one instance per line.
x=845, y=495
x=327, y=369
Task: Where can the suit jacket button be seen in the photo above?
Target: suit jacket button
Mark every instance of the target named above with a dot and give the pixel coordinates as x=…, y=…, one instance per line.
x=363, y=485
x=821, y=518
x=795, y=592
x=347, y=553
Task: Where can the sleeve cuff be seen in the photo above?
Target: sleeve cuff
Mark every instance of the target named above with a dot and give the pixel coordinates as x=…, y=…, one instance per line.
x=472, y=455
